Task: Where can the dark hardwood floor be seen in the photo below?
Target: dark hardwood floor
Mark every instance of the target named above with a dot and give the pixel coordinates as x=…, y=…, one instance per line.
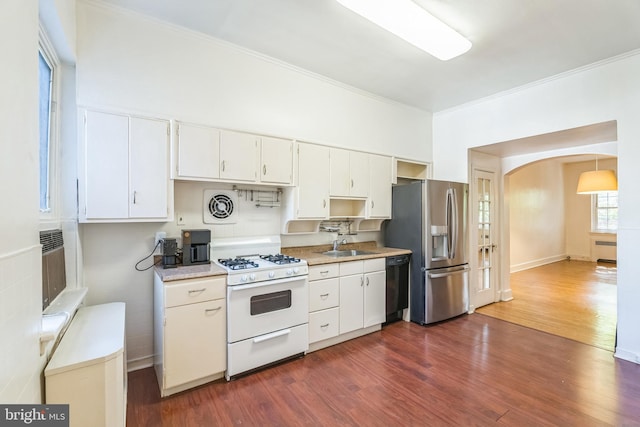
x=470, y=371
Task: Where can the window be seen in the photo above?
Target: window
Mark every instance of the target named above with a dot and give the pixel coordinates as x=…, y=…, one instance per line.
x=47, y=62
x=605, y=211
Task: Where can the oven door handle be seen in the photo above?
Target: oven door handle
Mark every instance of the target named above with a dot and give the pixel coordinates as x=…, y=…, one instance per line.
x=232, y=288
x=271, y=336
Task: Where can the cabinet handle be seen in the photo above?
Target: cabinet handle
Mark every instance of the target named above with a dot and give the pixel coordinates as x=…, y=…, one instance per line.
x=135, y=193
x=324, y=326
x=264, y=169
x=367, y=281
x=324, y=272
x=223, y=165
x=324, y=203
x=361, y=281
x=197, y=291
x=372, y=203
x=323, y=296
x=352, y=183
x=209, y=310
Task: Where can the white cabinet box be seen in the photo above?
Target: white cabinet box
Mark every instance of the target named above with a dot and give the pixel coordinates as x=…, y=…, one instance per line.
x=124, y=169
x=189, y=332
x=87, y=370
x=204, y=153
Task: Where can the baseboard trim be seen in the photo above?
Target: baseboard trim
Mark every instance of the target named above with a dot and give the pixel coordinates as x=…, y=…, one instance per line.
x=536, y=263
x=139, y=363
x=627, y=355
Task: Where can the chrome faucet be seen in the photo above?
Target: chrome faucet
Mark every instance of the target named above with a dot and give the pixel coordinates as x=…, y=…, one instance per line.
x=337, y=243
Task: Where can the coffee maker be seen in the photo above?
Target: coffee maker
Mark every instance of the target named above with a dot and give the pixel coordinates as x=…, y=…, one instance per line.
x=169, y=253
x=195, y=246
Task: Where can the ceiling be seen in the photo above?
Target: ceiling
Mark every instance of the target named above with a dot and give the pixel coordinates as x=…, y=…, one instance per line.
x=514, y=42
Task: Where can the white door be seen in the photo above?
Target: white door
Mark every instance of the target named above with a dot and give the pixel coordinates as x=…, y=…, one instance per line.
x=313, y=181
x=106, y=193
x=198, y=151
x=277, y=161
x=148, y=166
x=374, y=298
x=351, y=303
x=379, y=186
x=484, y=238
x=239, y=156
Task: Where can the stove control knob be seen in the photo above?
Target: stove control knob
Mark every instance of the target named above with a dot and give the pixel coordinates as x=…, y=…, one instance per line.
x=252, y=276
x=243, y=278
x=272, y=274
x=289, y=272
x=296, y=270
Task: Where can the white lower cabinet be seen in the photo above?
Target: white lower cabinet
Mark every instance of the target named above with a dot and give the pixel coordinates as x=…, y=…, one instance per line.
x=345, y=300
x=190, y=332
x=362, y=294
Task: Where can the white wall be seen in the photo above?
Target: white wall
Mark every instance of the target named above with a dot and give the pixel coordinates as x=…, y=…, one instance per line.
x=20, y=253
x=609, y=91
x=133, y=64
x=536, y=215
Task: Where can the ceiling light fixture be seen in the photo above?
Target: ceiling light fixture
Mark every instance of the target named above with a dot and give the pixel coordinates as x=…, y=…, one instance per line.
x=597, y=181
x=412, y=23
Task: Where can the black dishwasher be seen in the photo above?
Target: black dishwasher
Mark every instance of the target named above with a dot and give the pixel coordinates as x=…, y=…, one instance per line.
x=397, y=293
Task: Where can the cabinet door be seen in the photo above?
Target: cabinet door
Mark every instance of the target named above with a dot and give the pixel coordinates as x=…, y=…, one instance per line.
x=359, y=174
x=379, y=203
x=106, y=166
x=313, y=181
x=277, y=161
x=238, y=156
x=351, y=303
x=195, y=342
x=339, y=175
x=198, y=151
x=374, y=298
x=148, y=166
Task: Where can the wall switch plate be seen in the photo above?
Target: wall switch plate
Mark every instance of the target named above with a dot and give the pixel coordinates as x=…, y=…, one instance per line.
x=179, y=218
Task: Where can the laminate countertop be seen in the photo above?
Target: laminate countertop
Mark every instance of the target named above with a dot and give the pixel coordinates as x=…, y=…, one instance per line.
x=312, y=254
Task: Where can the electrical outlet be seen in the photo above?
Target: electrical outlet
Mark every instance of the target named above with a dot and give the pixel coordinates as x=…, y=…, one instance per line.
x=160, y=235
x=179, y=218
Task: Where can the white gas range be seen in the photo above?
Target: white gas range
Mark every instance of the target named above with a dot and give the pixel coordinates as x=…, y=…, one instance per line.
x=267, y=302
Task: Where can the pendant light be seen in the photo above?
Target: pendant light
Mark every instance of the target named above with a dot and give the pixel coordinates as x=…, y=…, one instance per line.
x=597, y=181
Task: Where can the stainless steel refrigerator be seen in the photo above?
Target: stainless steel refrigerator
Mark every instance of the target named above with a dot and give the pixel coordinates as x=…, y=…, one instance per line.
x=430, y=218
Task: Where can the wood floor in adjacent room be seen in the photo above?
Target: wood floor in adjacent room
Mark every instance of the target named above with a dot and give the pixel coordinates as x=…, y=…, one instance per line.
x=471, y=370
x=572, y=299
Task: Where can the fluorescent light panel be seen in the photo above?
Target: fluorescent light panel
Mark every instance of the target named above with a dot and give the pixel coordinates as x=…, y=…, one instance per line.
x=412, y=23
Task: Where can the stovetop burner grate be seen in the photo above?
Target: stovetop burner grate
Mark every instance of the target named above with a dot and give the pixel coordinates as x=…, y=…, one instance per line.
x=280, y=259
x=238, y=263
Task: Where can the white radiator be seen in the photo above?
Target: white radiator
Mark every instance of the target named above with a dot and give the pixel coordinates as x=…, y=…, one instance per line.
x=603, y=249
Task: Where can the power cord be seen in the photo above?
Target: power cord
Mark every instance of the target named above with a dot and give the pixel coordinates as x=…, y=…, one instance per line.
x=149, y=256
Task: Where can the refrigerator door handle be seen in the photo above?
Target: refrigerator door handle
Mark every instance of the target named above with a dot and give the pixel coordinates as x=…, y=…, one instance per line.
x=448, y=273
x=452, y=223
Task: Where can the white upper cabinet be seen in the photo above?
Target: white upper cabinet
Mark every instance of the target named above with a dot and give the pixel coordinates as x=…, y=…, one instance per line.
x=205, y=153
x=276, y=161
x=349, y=173
x=380, y=175
x=198, y=151
x=238, y=156
x=313, y=181
x=123, y=169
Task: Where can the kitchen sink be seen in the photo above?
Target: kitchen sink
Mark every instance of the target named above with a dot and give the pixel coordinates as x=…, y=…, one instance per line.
x=352, y=252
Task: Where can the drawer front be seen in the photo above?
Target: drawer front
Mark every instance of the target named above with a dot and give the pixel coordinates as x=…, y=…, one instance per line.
x=351, y=267
x=324, y=324
x=376, y=264
x=324, y=294
x=190, y=291
x=326, y=271
x=261, y=350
